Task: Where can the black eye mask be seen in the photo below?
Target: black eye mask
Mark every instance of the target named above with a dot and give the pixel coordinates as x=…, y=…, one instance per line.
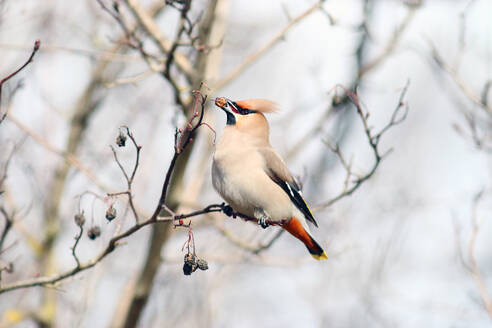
x=239, y=110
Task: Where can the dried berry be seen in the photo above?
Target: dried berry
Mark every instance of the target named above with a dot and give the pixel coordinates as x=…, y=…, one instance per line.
x=121, y=140
x=79, y=219
x=202, y=264
x=190, y=264
x=94, y=232
x=111, y=213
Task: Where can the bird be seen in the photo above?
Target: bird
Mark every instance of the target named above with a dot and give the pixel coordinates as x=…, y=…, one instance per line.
x=253, y=179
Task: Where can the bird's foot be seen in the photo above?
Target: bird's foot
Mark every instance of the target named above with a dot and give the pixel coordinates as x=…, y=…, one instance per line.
x=262, y=221
x=228, y=210
x=262, y=218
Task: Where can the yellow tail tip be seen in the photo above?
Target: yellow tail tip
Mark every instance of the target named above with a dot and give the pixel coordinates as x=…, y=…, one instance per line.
x=320, y=257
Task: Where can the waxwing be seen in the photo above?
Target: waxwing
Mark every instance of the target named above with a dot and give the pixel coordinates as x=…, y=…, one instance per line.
x=253, y=178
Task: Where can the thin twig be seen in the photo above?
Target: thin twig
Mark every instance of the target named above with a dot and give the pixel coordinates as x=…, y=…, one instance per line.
x=129, y=179
x=37, y=44
x=479, y=122
x=8, y=225
x=399, y=114
x=465, y=88
x=77, y=239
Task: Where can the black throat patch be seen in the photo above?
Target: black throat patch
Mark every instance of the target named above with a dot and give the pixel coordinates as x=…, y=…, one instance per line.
x=231, y=120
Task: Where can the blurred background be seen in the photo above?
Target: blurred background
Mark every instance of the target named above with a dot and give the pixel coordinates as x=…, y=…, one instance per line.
x=409, y=247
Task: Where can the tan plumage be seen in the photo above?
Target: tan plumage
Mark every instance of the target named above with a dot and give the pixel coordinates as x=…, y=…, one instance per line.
x=260, y=105
x=252, y=177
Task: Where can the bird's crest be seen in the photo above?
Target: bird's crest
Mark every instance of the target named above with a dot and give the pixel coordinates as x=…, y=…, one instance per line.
x=259, y=105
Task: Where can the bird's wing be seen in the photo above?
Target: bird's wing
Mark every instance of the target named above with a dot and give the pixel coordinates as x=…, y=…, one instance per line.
x=276, y=169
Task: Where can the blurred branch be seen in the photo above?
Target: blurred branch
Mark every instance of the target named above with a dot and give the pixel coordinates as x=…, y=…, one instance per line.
x=92, y=54
x=255, y=249
x=473, y=267
x=168, y=49
x=130, y=39
x=362, y=69
x=152, y=29
x=9, y=218
x=479, y=122
x=129, y=80
x=9, y=222
x=70, y=158
x=467, y=90
x=265, y=48
x=37, y=44
x=4, y=173
x=391, y=45
x=399, y=114
x=181, y=29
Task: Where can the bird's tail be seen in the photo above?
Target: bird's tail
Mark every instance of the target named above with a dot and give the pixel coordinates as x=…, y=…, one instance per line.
x=296, y=229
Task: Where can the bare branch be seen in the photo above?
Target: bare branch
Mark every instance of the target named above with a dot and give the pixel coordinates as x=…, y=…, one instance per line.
x=129, y=179
x=8, y=225
x=479, y=121
x=37, y=44
x=467, y=90
x=391, y=45
x=254, y=249
x=399, y=114
x=77, y=239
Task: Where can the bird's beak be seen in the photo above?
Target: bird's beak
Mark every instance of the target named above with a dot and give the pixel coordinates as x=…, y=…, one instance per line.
x=221, y=102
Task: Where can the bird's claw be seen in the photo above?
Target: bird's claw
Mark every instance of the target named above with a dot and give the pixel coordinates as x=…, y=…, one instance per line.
x=263, y=222
x=228, y=210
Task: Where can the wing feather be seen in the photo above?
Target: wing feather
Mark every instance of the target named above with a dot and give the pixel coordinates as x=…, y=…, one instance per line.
x=280, y=174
